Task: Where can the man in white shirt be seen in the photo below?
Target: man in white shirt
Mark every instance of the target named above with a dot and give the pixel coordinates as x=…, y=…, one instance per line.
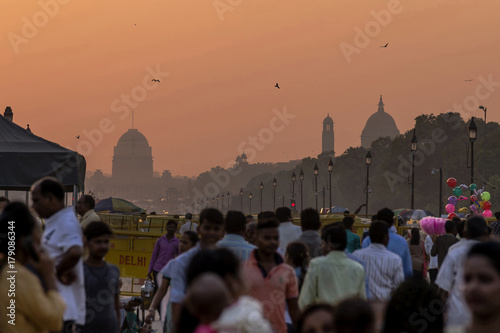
x=450, y=275
x=85, y=208
x=433, y=263
x=288, y=231
x=383, y=267
x=188, y=225
x=62, y=240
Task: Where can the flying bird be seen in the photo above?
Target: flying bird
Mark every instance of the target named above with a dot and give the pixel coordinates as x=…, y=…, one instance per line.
x=78, y=137
x=469, y=80
x=277, y=86
x=155, y=80
x=385, y=45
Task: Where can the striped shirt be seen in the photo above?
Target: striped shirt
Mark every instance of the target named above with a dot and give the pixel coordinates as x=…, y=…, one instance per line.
x=238, y=245
x=384, y=269
x=399, y=246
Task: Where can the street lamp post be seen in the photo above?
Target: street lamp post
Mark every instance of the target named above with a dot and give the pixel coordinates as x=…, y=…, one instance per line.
x=414, y=146
x=330, y=170
x=250, y=200
x=261, y=186
x=484, y=142
x=434, y=171
x=217, y=201
x=472, y=138
x=222, y=203
x=241, y=200
x=227, y=201
x=301, y=177
x=324, y=190
x=274, y=193
x=294, y=178
x=368, y=162
x=316, y=172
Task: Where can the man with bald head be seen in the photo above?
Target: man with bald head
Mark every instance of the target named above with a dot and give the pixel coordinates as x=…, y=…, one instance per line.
x=63, y=241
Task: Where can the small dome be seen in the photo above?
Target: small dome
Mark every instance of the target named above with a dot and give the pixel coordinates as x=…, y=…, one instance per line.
x=132, y=135
x=379, y=125
x=328, y=120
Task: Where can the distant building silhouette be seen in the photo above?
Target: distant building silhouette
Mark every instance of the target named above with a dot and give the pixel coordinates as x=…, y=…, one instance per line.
x=132, y=159
x=8, y=114
x=328, y=135
x=379, y=125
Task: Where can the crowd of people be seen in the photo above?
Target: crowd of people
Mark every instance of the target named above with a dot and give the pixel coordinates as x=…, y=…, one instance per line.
x=236, y=274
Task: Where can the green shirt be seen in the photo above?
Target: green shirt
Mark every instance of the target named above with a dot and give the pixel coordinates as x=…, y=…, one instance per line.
x=353, y=241
x=331, y=279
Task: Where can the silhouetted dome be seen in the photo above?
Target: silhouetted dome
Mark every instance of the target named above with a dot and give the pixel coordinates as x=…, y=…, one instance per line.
x=132, y=135
x=328, y=120
x=132, y=158
x=379, y=125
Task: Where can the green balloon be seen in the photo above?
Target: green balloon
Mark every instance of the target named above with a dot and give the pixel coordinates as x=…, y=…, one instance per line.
x=473, y=187
x=485, y=196
x=457, y=191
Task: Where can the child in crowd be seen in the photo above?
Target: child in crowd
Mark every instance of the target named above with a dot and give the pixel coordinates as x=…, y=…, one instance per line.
x=188, y=240
x=101, y=282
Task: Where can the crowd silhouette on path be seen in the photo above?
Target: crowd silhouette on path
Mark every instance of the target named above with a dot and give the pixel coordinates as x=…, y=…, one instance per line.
x=237, y=274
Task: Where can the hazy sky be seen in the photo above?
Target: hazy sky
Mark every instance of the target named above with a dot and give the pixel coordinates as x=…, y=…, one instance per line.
x=223, y=58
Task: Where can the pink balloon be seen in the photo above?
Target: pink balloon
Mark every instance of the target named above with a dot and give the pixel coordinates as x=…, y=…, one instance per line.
x=487, y=213
x=450, y=208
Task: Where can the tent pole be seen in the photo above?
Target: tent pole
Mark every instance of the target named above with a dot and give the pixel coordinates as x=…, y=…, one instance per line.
x=75, y=194
x=6, y=194
x=27, y=198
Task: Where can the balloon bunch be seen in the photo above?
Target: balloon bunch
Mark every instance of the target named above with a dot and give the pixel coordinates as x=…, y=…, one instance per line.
x=479, y=207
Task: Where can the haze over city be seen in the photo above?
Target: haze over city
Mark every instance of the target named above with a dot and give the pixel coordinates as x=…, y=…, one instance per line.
x=223, y=63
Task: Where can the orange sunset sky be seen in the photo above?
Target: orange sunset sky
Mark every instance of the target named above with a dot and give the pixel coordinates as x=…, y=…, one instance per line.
x=66, y=77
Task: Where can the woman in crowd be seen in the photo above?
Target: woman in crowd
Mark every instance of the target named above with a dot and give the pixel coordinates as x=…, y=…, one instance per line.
x=33, y=305
x=243, y=315
x=316, y=318
x=482, y=288
x=297, y=256
x=417, y=247
x=354, y=315
x=415, y=306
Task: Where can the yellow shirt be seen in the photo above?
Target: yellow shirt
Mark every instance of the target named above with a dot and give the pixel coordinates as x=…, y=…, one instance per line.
x=331, y=279
x=36, y=311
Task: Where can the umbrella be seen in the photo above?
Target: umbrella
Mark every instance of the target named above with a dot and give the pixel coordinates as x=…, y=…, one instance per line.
x=416, y=214
x=337, y=209
x=117, y=205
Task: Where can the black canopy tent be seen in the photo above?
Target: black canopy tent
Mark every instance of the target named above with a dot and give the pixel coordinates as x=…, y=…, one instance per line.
x=25, y=158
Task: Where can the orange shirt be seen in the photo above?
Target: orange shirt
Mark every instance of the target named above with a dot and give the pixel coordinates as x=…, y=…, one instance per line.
x=272, y=289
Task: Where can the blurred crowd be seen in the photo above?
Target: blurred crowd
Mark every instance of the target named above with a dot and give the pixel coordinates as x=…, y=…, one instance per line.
x=235, y=273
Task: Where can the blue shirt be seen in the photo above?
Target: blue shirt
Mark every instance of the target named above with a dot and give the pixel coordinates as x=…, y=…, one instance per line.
x=238, y=245
x=398, y=245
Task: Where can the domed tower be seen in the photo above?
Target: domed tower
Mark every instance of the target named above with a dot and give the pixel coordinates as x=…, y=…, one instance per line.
x=328, y=136
x=132, y=159
x=379, y=125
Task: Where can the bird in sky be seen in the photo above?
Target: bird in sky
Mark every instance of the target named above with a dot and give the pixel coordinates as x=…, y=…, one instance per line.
x=155, y=80
x=385, y=45
x=78, y=137
x=277, y=86
x=469, y=80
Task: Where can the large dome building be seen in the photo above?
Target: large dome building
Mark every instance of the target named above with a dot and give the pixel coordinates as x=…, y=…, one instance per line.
x=132, y=159
x=379, y=125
